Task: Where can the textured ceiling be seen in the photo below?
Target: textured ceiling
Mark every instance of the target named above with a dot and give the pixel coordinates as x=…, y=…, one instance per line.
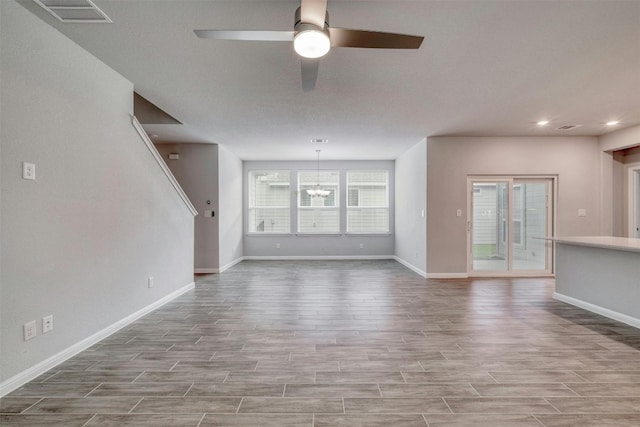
x=486, y=68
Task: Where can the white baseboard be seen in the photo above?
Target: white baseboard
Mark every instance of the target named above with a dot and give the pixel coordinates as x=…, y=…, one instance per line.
x=411, y=266
x=632, y=321
x=35, y=371
x=447, y=276
x=318, y=257
x=206, y=270
x=231, y=264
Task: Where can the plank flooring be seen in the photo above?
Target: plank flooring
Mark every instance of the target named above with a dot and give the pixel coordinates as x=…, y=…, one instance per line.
x=347, y=343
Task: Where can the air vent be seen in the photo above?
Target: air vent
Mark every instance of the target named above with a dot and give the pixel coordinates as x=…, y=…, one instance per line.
x=568, y=127
x=319, y=141
x=76, y=11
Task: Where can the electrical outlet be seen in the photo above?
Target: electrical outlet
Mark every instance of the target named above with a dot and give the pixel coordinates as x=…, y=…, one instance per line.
x=277, y=245
x=28, y=171
x=361, y=245
x=459, y=212
x=47, y=324
x=29, y=330
x=150, y=282
x=582, y=212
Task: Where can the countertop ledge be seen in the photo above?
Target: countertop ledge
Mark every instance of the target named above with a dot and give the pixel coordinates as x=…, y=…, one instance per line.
x=607, y=242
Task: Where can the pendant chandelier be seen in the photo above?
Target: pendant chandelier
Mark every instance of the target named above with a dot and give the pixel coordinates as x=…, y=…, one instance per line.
x=317, y=191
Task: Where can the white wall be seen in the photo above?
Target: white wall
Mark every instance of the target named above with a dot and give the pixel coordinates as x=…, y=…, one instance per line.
x=197, y=172
x=292, y=245
x=574, y=160
x=79, y=242
x=411, y=197
x=230, y=207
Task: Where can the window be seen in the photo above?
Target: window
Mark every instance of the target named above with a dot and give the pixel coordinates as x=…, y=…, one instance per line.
x=319, y=215
x=269, y=202
x=368, y=202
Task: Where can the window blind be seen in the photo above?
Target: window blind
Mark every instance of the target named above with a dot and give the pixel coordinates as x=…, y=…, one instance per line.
x=319, y=215
x=269, y=202
x=367, y=202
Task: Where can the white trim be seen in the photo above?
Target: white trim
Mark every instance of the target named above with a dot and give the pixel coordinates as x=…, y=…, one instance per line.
x=35, y=371
x=172, y=179
x=231, y=264
x=447, y=276
x=206, y=270
x=516, y=275
x=632, y=202
x=632, y=321
x=411, y=266
x=318, y=258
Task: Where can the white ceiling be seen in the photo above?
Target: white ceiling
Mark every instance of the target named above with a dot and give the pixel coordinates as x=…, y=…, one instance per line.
x=486, y=68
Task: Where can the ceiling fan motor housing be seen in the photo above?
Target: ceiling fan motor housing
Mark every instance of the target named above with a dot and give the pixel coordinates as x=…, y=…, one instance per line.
x=298, y=19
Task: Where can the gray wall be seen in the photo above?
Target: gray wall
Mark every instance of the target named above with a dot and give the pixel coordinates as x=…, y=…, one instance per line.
x=604, y=277
x=411, y=197
x=230, y=207
x=79, y=242
x=318, y=246
x=197, y=173
x=574, y=160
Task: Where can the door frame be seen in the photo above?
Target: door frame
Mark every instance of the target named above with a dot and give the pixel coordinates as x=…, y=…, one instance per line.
x=633, y=200
x=551, y=224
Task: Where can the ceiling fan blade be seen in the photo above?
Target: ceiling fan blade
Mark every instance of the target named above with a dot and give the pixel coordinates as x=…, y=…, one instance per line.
x=313, y=12
x=343, y=37
x=309, y=73
x=251, y=35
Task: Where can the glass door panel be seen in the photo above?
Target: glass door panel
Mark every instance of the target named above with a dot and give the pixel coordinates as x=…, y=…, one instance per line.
x=490, y=231
x=530, y=225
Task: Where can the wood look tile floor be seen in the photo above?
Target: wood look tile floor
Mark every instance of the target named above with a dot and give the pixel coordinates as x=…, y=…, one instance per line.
x=347, y=343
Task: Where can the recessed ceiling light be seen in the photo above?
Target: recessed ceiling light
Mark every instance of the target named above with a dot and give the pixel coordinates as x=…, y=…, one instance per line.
x=543, y=122
x=613, y=122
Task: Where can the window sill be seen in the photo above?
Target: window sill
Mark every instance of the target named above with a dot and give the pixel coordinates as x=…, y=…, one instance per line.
x=317, y=234
x=253, y=234
x=368, y=234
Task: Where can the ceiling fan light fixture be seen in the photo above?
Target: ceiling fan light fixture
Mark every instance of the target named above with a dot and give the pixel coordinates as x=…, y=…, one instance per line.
x=311, y=42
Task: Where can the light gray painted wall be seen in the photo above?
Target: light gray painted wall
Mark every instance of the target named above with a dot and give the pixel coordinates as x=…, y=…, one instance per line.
x=575, y=161
x=197, y=173
x=230, y=206
x=411, y=199
x=79, y=242
x=299, y=245
x=603, y=277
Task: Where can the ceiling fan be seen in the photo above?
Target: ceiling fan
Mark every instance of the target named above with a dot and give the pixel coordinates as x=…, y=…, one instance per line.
x=312, y=38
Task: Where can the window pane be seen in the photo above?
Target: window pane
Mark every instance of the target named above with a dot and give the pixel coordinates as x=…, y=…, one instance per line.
x=269, y=202
x=309, y=180
x=319, y=220
x=318, y=214
x=367, y=202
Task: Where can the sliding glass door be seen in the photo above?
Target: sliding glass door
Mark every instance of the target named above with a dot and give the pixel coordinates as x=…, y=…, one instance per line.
x=508, y=222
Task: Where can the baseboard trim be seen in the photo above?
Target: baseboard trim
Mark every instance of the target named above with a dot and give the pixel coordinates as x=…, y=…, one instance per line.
x=411, y=266
x=631, y=321
x=35, y=371
x=447, y=276
x=317, y=258
x=206, y=270
x=231, y=264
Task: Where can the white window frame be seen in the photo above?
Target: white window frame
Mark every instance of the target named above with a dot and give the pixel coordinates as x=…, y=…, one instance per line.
x=251, y=206
x=387, y=207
